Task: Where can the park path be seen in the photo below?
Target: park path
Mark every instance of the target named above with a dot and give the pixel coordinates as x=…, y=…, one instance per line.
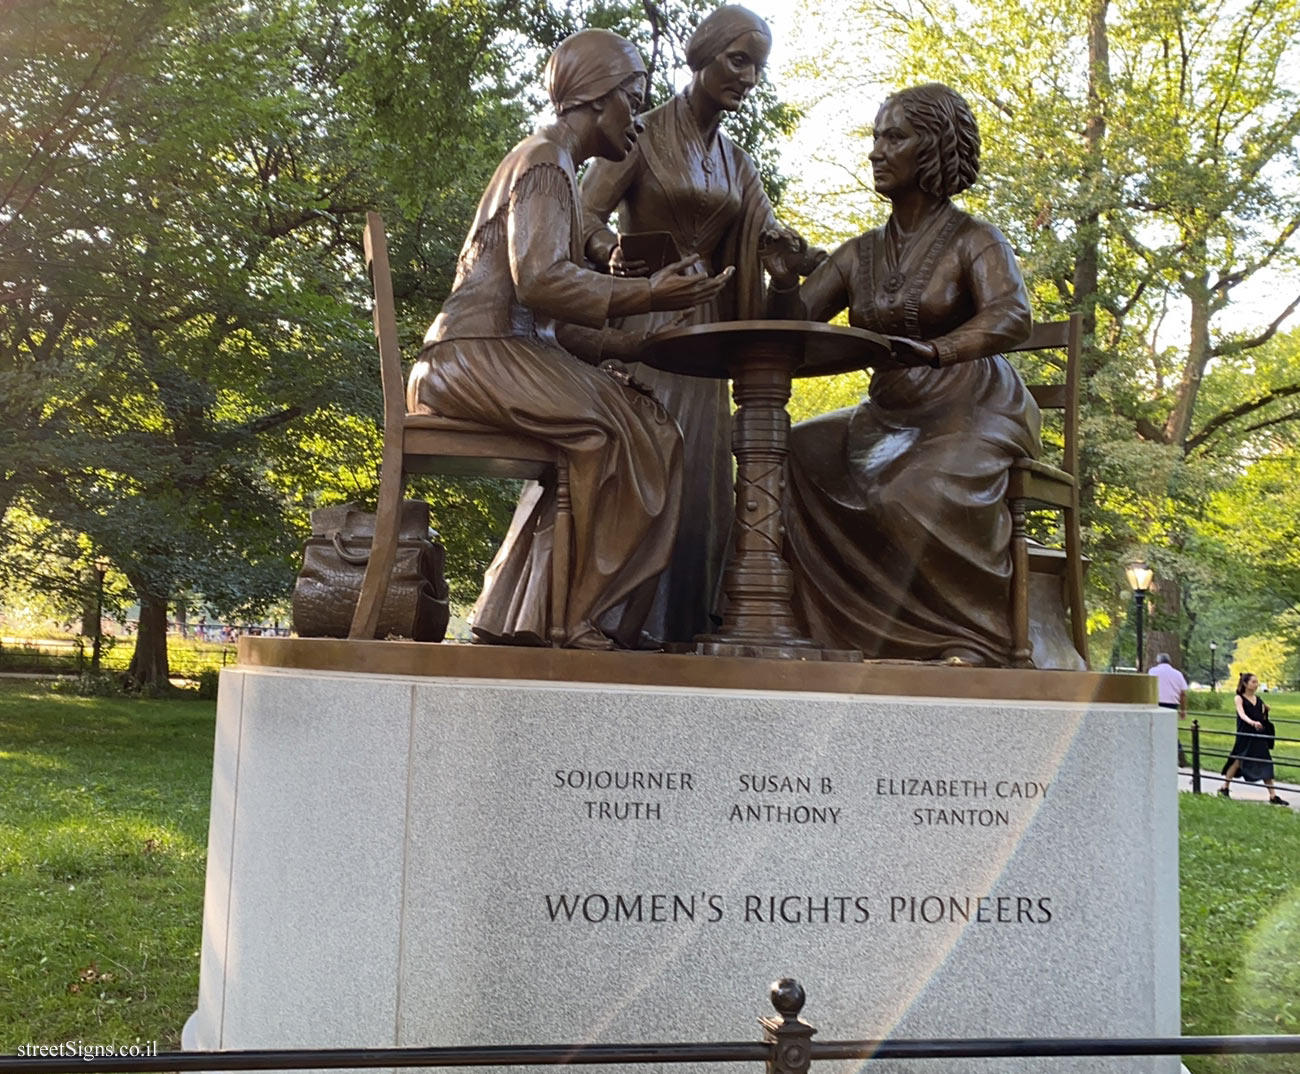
x=1211, y=781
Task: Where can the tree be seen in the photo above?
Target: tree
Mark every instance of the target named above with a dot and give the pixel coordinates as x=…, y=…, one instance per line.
x=1262, y=656
x=48, y=574
x=184, y=286
x=183, y=282
x=1247, y=537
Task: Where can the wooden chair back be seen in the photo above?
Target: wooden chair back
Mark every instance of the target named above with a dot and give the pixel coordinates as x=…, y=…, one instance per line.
x=430, y=443
x=385, y=318
x=1066, y=336
x=1034, y=484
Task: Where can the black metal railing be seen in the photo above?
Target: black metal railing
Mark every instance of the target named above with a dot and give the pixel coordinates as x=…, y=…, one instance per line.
x=71, y=657
x=1233, y=716
x=44, y=657
x=787, y=1048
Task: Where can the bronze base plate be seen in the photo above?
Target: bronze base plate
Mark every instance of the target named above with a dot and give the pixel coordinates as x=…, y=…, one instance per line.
x=717, y=645
x=452, y=660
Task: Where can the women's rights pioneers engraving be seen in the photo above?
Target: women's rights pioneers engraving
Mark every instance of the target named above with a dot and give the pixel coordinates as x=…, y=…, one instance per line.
x=515, y=347
x=666, y=908
x=687, y=179
x=897, y=530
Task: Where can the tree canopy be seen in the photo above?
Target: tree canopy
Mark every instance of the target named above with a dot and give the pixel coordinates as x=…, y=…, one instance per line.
x=182, y=280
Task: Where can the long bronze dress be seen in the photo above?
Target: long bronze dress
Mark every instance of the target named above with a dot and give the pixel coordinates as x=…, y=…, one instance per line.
x=491, y=356
x=897, y=529
x=710, y=198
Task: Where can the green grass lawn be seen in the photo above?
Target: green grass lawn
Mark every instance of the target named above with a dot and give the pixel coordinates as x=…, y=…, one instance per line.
x=1239, y=871
x=103, y=833
x=103, y=826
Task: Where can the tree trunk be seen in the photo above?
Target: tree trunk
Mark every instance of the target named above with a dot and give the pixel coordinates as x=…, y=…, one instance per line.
x=1198, y=354
x=1088, y=258
x=1165, y=641
x=8, y=491
x=148, y=670
x=90, y=608
x=1165, y=619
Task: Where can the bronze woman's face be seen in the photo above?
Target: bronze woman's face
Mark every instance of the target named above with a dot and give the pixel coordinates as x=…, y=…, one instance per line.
x=894, y=153
x=617, y=122
x=735, y=71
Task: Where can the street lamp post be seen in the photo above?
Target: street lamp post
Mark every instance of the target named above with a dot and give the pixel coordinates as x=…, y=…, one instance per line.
x=101, y=568
x=1214, y=648
x=1139, y=579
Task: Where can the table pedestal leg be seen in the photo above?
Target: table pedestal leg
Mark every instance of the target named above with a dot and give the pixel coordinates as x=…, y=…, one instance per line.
x=758, y=620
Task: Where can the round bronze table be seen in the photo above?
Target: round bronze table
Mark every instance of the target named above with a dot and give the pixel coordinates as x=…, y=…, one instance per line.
x=761, y=358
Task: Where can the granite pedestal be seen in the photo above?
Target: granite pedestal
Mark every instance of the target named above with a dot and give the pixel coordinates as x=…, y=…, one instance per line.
x=415, y=860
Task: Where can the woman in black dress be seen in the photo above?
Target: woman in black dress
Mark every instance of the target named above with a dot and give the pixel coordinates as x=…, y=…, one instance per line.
x=1250, y=752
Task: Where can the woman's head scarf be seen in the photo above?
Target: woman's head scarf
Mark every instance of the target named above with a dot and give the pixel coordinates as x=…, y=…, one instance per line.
x=720, y=29
x=587, y=65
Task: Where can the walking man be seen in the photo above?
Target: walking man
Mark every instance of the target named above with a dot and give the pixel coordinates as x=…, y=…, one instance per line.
x=1172, y=693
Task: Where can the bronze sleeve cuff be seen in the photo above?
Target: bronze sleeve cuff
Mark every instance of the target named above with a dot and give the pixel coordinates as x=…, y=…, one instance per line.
x=945, y=352
x=630, y=295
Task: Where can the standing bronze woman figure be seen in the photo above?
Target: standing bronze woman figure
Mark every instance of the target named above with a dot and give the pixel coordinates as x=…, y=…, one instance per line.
x=686, y=177
x=897, y=530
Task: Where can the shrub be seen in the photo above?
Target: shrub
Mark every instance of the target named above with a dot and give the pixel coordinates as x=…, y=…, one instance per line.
x=1208, y=701
x=208, y=680
x=90, y=684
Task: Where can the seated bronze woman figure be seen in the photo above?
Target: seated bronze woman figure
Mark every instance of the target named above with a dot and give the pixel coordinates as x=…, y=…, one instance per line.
x=514, y=347
x=897, y=530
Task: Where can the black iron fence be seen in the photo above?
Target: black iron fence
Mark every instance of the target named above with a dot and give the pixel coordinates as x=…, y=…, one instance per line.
x=72, y=656
x=787, y=1048
x=1214, y=752
x=44, y=657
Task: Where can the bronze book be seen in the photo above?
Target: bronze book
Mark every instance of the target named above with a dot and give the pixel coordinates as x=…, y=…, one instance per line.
x=656, y=248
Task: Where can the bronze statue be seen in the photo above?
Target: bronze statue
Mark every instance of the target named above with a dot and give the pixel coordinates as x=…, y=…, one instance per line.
x=505, y=351
x=897, y=531
x=687, y=178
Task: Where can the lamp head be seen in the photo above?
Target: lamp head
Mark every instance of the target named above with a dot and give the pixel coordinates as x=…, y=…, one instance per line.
x=1139, y=577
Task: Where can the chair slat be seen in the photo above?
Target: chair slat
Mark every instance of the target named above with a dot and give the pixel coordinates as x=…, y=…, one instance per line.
x=1045, y=336
x=1049, y=396
x=488, y=446
x=470, y=466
